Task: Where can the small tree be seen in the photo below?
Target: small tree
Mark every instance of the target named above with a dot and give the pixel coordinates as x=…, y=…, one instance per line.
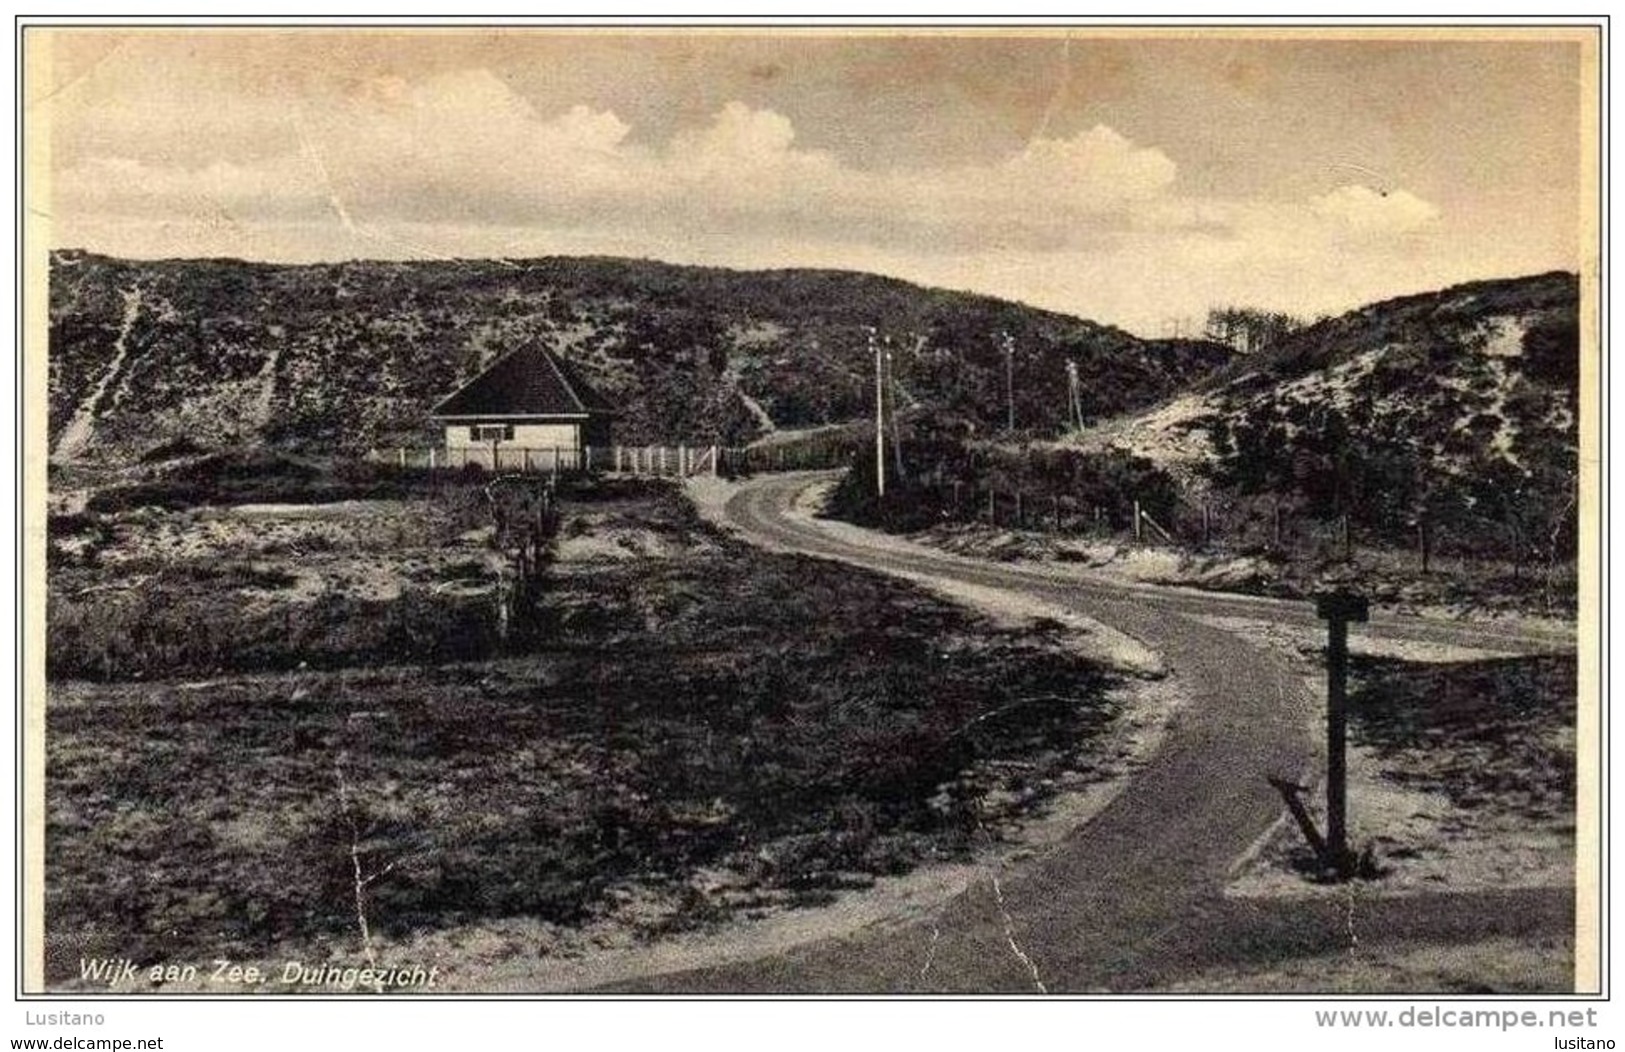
x=1250, y=330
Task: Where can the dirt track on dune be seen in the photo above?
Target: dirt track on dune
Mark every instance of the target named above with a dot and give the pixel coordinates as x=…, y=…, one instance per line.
x=1133, y=898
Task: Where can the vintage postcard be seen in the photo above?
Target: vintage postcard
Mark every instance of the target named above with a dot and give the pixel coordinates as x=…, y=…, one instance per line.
x=824, y=509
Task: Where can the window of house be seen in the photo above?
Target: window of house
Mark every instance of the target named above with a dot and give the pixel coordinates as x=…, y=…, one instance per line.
x=491, y=432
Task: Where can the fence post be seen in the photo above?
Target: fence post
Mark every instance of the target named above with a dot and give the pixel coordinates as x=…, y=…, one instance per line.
x=432, y=452
x=956, y=498
x=1276, y=527
x=1139, y=529
x=662, y=460
x=1422, y=540
x=1021, y=518
x=1207, y=524
x=1056, y=501
x=587, y=453
x=992, y=517
x=1157, y=527
x=403, y=456
x=714, y=455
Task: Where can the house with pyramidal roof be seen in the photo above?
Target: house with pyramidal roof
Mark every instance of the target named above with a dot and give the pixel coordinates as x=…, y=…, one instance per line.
x=529, y=404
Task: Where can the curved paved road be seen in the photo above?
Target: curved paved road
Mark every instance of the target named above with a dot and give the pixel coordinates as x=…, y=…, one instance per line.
x=1134, y=895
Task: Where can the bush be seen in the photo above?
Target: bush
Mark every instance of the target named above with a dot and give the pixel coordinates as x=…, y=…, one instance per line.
x=259, y=475
x=197, y=624
x=940, y=466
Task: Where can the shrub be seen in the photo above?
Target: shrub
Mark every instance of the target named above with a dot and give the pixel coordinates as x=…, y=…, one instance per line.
x=936, y=464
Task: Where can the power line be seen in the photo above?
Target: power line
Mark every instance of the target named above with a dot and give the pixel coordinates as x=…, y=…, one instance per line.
x=896, y=432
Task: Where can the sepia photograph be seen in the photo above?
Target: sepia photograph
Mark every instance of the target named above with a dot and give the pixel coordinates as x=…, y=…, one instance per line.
x=831, y=510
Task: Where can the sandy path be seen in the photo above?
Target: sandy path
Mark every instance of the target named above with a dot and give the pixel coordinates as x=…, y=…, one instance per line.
x=82, y=427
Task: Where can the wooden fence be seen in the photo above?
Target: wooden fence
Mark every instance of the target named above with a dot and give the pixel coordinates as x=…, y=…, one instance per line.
x=677, y=461
x=1220, y=527
x=649, y=461
x=788, y=456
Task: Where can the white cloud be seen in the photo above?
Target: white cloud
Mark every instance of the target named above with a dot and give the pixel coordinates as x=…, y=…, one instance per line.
x=1098, y=169
x=1362, y=210
x=119, y=186
x=1090, y=222
x=464, y=145
x=738, y=135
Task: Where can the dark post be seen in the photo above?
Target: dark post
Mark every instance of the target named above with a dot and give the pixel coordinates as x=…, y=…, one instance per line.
x=1293, y=795
x=1021, y=518
x=1422, y=540
x=956, y=498
x=1207, y=524
x=1337, y=609
x=992, y=520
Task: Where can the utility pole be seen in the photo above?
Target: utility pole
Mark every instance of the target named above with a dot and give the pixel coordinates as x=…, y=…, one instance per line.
x=896, y=432
x=880, y=417
x=1074, y=396
x=1009, y=381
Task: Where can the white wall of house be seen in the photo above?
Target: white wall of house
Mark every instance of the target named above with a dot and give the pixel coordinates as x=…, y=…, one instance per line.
x=525, y=436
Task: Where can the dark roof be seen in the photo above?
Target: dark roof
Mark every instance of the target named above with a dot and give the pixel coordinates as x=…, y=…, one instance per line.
x=531, y=381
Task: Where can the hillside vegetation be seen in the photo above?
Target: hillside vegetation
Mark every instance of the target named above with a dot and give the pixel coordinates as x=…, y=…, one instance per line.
x=1464, y=400
x=1444, y=423
x=344, y=356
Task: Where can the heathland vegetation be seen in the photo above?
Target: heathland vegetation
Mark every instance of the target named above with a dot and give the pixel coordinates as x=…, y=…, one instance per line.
x=288, y=717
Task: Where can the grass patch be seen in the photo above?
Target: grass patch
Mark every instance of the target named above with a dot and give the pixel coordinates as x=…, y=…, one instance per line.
x=1527, y=967
x=181, y=625
x=1495, y=732
x=262, y=475
x=686, y=735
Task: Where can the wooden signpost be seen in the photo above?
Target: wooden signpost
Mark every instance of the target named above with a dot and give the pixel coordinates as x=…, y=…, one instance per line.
x=1337, y=609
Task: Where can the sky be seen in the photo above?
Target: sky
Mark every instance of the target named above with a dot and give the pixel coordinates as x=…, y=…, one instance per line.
x=1135, y=180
